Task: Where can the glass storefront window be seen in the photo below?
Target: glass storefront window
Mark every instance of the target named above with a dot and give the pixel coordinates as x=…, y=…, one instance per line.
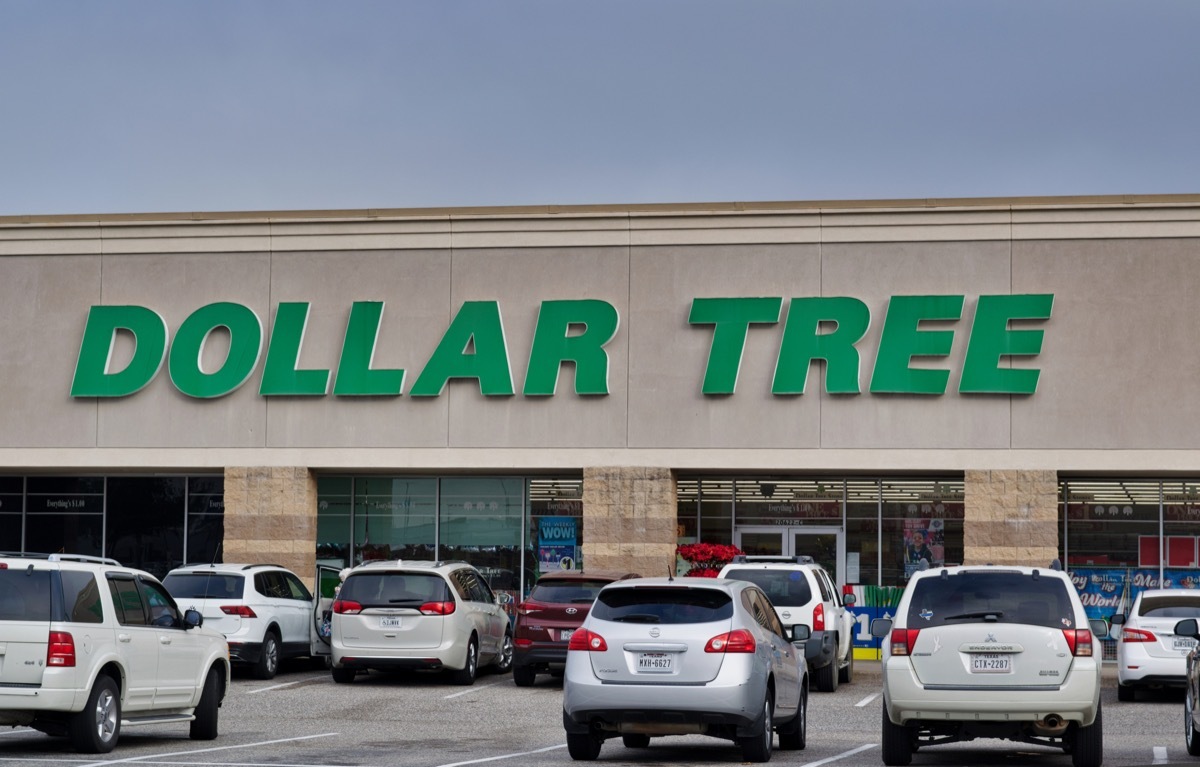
x=65, y=514
x=554, y=540
x=480, y=522
x=335, y=502
x=394, y=518
x=146, y=522
x=11, y=513
x=716, y=511
x=206, y=519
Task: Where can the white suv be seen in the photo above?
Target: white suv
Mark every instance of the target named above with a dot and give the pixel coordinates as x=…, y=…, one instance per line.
x=88, y=647
x=394, y=615
x=802, y=592
x=991, y=652
x=265, y=612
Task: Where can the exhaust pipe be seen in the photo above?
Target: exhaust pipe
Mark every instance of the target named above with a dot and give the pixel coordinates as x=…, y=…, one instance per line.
x=1052, y=725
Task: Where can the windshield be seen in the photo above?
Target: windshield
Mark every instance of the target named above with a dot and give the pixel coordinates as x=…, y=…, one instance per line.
x=559, y=591
x=395, y=589
x=663, y=605
x=1182, y=606
x=786, y=588
x=204, y=585
x=991, y=597
x=24, y=595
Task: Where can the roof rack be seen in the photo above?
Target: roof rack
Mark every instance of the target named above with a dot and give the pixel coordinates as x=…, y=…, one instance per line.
x=799, y=559
x=83, y=558
x=262, y=564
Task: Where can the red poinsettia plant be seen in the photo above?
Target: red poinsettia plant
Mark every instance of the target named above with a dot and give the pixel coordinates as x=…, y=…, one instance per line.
x=707, y=559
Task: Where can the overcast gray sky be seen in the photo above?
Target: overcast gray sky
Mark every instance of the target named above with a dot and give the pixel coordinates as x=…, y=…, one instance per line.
x=111, y=107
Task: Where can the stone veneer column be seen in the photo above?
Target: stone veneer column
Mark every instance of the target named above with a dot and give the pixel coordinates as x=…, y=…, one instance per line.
x=1010, y=518
x=629, y=519
x=271, y=517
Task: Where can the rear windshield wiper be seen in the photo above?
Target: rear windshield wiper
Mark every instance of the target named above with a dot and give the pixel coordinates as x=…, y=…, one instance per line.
x=406, y=600
x=993, y=614
x=639, y=618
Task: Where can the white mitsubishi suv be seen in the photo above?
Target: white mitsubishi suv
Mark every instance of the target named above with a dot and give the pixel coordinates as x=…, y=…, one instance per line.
x=991, y=652
x=88, y=647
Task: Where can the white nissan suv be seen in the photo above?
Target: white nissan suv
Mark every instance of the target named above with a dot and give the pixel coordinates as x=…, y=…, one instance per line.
x=88, y=647
x=991, y=652
x=802, y=592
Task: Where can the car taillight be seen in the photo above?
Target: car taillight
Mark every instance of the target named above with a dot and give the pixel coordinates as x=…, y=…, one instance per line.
x=522, y=608
x=903, y=641
x=60, y=651
x=1137, y=635
x=819, y=618
x=346, y=607
x=1079, y=641
x=523, y=643
x=584, y=640
x=740, y=640
x=243, y=611
x=437, y=608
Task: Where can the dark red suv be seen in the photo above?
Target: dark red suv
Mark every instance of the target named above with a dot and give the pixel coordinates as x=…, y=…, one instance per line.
x=555, y=607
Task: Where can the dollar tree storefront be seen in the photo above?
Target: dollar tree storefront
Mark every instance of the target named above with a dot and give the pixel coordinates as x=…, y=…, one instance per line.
x=878, y=385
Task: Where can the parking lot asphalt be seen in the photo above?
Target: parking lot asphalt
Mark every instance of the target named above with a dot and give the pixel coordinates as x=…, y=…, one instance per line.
x=303, y=719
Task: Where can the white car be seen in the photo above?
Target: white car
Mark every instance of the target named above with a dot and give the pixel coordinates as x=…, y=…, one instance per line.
x=88, y=647
x=265, y=611
x=397, y=615
x=802, y=592
x=1149, y=652
x=991, y=652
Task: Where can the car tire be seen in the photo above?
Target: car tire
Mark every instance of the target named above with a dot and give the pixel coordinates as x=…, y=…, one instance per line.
x=583, y=748
x=1126, y=692
x=1089, y=744
x=96, y=728
x=1189, y=728
x=204, y=726
x=342, y=675
x=846, y=673
x=524, y=676
x=757, y=747
x=793, y=736
x=636, y=741
x=268, y=660
x=504, y=661
x=827, y=677
x=466, y=675
x=897, y=742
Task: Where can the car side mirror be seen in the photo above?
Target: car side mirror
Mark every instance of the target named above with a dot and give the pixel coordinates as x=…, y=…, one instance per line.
x=881, y=627
x=504, y=599
x=848, y=599
x=1099, y=628
x=801, y=632
x=192, y=619
x=1118, y=619
x=1188, y=628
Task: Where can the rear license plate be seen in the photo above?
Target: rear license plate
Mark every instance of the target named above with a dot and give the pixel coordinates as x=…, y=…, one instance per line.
x=389, y=622
x=1183, y=643
x=991, y=663
x=565, y=634
x=655, y=662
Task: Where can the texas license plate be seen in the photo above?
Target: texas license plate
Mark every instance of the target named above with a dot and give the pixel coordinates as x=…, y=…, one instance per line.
x=1184, y=644
x=565, y=634
x=991, y=663
x=389, y=622
x=655, y=662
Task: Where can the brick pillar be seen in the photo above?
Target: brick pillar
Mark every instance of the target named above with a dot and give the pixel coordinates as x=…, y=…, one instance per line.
x=1010, y=518
x=271, y=517
x=629, y=519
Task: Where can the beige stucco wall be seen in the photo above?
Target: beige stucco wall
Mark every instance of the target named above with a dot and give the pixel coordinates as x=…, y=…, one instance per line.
x=271, y=517
x=1010, y=518
x=629, y=519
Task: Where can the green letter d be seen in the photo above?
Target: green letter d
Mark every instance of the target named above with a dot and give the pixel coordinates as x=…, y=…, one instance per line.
x=92, y=376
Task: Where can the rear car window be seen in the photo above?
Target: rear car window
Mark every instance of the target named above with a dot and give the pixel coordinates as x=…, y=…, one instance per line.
x=663, y=604
x=24, y=595
x=567, y=592
x=980, y=597
x=205, y=585
x=395, y=589
x=1183, y=606
x=81, y=596
x=785, y=588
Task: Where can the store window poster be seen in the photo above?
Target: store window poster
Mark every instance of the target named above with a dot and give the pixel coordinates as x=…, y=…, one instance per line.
x=924, y=540
x=556, y=543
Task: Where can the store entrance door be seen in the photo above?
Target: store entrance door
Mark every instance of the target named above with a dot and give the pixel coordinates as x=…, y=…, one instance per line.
x=826, y=545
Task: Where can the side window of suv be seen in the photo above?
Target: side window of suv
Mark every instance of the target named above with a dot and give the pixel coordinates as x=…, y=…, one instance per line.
x=127, y=601
x=759, y=607
x=162, y=609
x=827, y=590
x=296, y=588
x=81, y=596
x=271, y=584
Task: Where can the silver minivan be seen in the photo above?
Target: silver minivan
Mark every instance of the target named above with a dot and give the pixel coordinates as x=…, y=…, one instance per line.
x=683, y=656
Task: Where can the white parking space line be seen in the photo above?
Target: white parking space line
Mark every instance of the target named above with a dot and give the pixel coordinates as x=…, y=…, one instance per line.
x=159, y=757
x=1160, y=755
x=504, y=756
x=867, y=700
x=18, y=732
x=272, y=687
x=842, y=755
x=473, y=688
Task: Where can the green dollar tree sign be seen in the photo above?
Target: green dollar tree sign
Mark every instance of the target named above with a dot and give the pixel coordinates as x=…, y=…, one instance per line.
x=92, y=375
x=992, y=339
x=281, y=376
x=355, y=377
x=245, y=346
x=477, y=324
x=553, y=345
x=732, y=318
x=903, y=339
x=803, y=342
